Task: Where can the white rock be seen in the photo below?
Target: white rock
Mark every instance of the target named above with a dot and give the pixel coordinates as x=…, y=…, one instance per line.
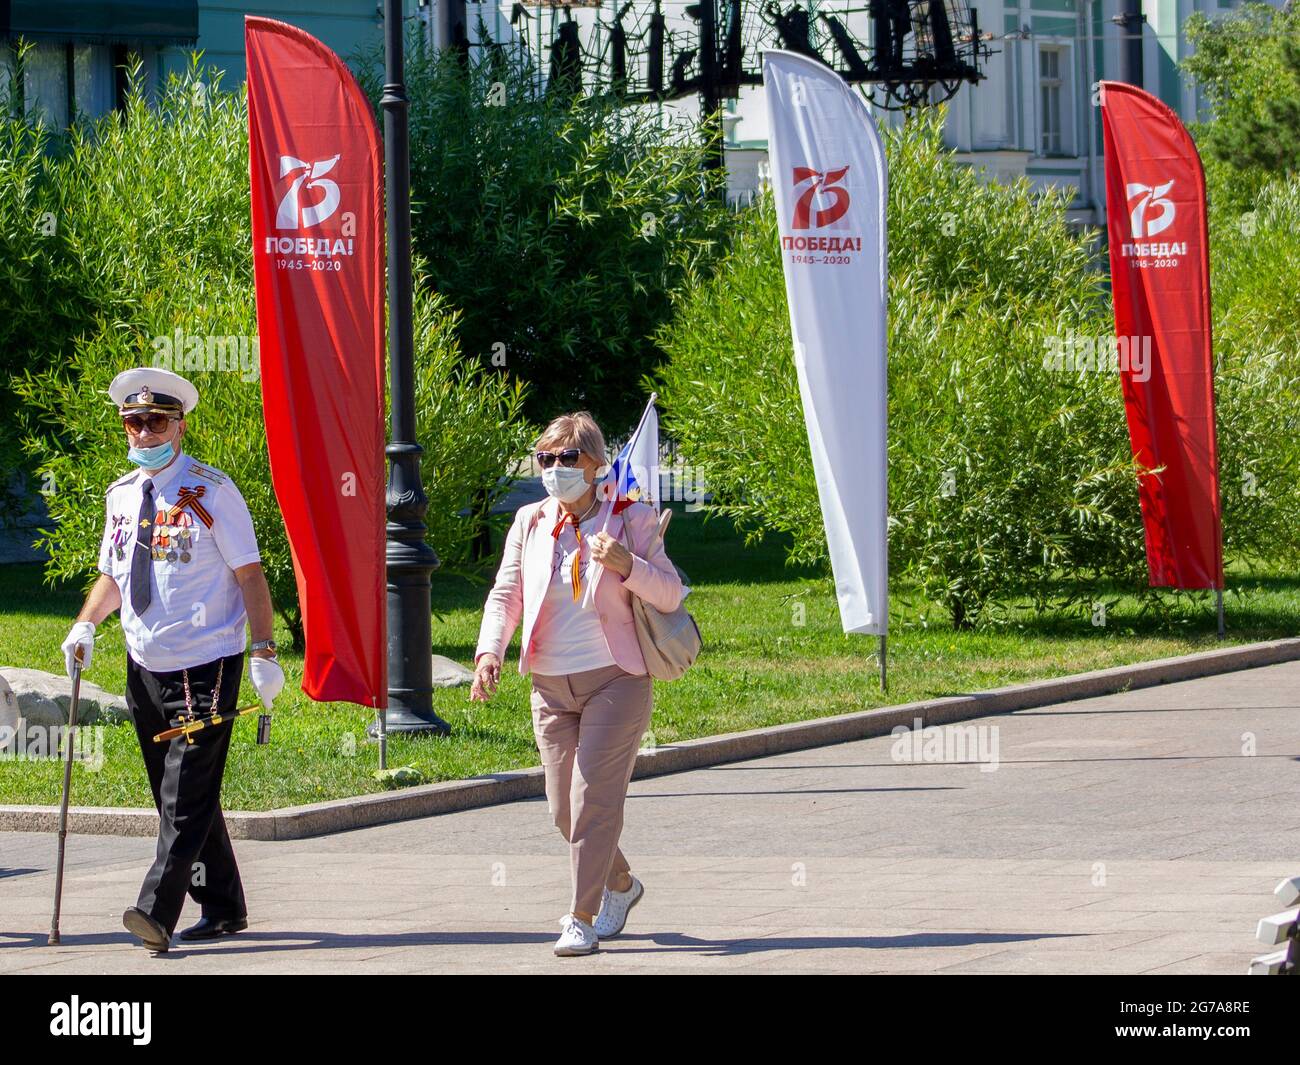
x=43, y=699
x=450, y=674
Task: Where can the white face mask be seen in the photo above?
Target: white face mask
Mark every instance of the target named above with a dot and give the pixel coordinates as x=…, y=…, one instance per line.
x=565, y=483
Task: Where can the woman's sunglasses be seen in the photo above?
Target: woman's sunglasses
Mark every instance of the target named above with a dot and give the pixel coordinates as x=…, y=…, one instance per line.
x=567, y=457
x=155, y=423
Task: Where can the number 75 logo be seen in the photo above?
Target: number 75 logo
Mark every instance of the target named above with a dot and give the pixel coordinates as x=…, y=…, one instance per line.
x=310, y=176
x=1150, y=196
x=823, y=183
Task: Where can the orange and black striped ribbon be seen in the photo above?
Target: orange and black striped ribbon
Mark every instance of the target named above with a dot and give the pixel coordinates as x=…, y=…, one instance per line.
x=189, y=497
x=575, y=575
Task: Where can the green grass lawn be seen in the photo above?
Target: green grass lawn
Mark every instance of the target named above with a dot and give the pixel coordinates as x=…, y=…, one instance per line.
x=758, y=668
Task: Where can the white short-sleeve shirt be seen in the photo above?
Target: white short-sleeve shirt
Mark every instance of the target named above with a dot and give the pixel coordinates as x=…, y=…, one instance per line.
x=196, y=608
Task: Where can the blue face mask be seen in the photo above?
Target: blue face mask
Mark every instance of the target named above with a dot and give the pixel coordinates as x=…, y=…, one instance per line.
x=151, y=458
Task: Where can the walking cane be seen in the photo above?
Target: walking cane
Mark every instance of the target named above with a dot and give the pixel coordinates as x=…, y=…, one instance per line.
x=67, y=787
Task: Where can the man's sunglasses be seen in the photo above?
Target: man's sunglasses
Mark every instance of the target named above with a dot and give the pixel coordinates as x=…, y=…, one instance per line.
x=155, y=423
x=567, y=457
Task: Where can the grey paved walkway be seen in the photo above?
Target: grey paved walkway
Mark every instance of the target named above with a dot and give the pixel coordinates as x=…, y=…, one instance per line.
x=1121, y=834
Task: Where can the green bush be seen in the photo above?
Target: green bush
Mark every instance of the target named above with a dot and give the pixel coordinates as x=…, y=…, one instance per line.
x=40, y=307
x=158, y=218
x=1005, y=479
x=471, y=424
x=1255, y=297
x=1246, y=62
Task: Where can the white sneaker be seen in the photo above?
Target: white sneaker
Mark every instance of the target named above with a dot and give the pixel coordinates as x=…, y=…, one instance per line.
x=577, y=938
x=614, y=907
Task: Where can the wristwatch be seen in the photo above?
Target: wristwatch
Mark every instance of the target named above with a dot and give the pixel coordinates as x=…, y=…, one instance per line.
x=264, y=645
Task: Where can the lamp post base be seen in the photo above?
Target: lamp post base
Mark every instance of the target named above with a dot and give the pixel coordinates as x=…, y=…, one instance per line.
x=407, y=722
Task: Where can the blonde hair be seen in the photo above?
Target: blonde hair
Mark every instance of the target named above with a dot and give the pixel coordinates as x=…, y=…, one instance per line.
x=577, y=429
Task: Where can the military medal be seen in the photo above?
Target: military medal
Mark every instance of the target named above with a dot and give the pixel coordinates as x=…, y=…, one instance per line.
x=120, y=528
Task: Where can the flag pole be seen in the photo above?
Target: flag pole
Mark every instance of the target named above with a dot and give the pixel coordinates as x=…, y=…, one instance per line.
x=609, y=503
x=884, y=673
x=1218, y=597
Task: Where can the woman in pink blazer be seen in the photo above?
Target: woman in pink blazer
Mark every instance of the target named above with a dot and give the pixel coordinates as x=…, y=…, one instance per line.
x=570, y=578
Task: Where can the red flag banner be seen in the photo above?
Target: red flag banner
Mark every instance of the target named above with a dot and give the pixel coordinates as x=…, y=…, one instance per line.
x=1160, y=282
x=315, y=171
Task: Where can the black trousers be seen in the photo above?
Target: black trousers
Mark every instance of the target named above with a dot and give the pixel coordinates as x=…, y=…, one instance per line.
x=194, y=852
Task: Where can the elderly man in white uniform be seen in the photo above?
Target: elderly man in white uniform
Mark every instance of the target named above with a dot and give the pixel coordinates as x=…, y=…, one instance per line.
x=180, y=559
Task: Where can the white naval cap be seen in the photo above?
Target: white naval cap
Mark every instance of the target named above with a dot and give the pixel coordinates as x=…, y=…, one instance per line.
x=151, y=388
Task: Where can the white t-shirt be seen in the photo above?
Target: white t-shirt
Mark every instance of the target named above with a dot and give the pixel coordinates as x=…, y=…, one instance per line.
x=196, y=609
x=569, y=637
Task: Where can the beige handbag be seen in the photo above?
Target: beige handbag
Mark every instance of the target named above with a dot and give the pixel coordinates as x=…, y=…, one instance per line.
x=670, y=642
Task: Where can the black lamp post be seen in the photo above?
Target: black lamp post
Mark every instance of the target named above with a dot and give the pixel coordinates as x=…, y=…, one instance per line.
x=410, y=560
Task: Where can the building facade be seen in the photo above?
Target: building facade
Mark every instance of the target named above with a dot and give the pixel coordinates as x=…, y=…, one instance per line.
x=1033, y=115
x=80, y=47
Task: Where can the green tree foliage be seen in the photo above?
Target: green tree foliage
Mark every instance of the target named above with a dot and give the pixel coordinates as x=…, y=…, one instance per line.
x=558, y=226
x=1248, y=64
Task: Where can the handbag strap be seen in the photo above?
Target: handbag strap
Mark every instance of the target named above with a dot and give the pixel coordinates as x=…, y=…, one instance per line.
x=628, y=531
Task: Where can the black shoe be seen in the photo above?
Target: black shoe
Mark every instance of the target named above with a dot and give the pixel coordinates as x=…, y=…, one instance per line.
x=213, y=927
x=150, y=933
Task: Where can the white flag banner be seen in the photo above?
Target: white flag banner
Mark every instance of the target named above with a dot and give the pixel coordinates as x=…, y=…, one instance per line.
x=829, y=182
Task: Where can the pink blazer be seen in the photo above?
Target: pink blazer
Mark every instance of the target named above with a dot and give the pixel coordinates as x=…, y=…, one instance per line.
x=525, y=572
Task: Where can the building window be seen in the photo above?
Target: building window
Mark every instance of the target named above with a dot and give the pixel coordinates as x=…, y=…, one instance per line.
x=64, y=81
x=45, y=84
x=93, y=79
x=1051, y=93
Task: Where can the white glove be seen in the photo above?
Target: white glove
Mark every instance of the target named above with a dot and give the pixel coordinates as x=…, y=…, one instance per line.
x=82, y=635
x=267, y=677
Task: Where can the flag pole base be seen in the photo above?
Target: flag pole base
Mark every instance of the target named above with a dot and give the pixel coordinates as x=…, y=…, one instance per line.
x=884, y=668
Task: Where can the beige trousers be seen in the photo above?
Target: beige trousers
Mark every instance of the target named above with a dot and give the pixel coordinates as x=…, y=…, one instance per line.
x=589, y=727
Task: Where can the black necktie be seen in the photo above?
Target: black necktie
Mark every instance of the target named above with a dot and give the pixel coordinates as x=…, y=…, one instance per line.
x=142, y=560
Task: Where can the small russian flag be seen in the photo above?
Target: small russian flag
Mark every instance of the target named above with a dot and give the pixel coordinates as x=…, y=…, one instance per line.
x=635, y=472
